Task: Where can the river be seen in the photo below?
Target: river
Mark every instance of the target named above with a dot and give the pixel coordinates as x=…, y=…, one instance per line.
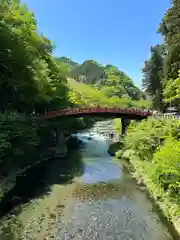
x=106, y=202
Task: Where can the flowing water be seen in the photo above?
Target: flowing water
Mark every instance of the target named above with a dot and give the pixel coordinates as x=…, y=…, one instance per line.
x=107, y=203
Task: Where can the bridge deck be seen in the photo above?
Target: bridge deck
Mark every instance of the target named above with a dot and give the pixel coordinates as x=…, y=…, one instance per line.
x=126, y=112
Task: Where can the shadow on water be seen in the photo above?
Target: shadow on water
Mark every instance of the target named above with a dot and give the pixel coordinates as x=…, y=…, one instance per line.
x=37, y=181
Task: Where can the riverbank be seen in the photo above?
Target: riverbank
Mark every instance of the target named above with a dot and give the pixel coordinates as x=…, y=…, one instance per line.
x=37, y=200
x=153, y=163
x=170, y=209
x=8, y=182
x=37, y=140
x=160, y=198
x=38, y=216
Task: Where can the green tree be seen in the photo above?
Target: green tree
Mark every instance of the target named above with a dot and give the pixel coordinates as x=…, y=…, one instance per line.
x=113, y=81
x=172, y=91
x=30, y=76
x=170, y=30
x=153, y=75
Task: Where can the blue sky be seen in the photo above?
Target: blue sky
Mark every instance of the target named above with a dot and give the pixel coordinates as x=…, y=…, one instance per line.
x=118, y=32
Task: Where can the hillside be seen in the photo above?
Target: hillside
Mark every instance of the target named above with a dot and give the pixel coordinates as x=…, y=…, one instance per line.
x=68, y=62
x=81, y=94
x=109, y=79
x=89, y=72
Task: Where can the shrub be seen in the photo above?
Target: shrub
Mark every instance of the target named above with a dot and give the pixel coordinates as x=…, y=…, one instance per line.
x=117, y=125
x=166, y=164
x=128, y=154
x=156, y=142
x=119, y=154
x=144, y=137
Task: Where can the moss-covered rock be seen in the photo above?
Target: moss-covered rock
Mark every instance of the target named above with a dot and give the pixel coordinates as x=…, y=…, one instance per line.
x=114, y=147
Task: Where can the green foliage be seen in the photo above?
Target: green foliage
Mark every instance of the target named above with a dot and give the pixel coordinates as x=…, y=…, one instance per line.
x=31, y=81
x=19, y=138
x=128, y=154
x=161, y=71
x=172, y=90
x=166, y=166
x=90, y=69
x=81, y=94
x=117, y=125
x=152, y=76
x=68, y=62
x=30, y=77
x=119, y=153
x=145, y=137
x=109, y=79
x=153, y=147
x=169, y=28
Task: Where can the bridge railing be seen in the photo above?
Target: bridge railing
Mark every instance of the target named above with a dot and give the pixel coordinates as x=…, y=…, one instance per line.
x=72, y=111
x=127, y=111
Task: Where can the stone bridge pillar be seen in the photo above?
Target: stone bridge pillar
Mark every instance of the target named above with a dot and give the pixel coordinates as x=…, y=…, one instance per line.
x=125, y=123
x=60, y=143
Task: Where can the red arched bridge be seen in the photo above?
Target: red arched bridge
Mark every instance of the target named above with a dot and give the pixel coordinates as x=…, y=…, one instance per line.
x=128, y=113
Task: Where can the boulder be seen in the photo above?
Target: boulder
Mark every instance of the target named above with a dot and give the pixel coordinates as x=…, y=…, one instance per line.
x=73, y=142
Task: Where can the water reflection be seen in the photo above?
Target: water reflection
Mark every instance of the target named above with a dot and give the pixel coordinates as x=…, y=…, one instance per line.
x=100, y=171
x=38, y=180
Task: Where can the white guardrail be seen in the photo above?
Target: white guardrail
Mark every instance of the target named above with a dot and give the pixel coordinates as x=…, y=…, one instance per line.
x=166, y=116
